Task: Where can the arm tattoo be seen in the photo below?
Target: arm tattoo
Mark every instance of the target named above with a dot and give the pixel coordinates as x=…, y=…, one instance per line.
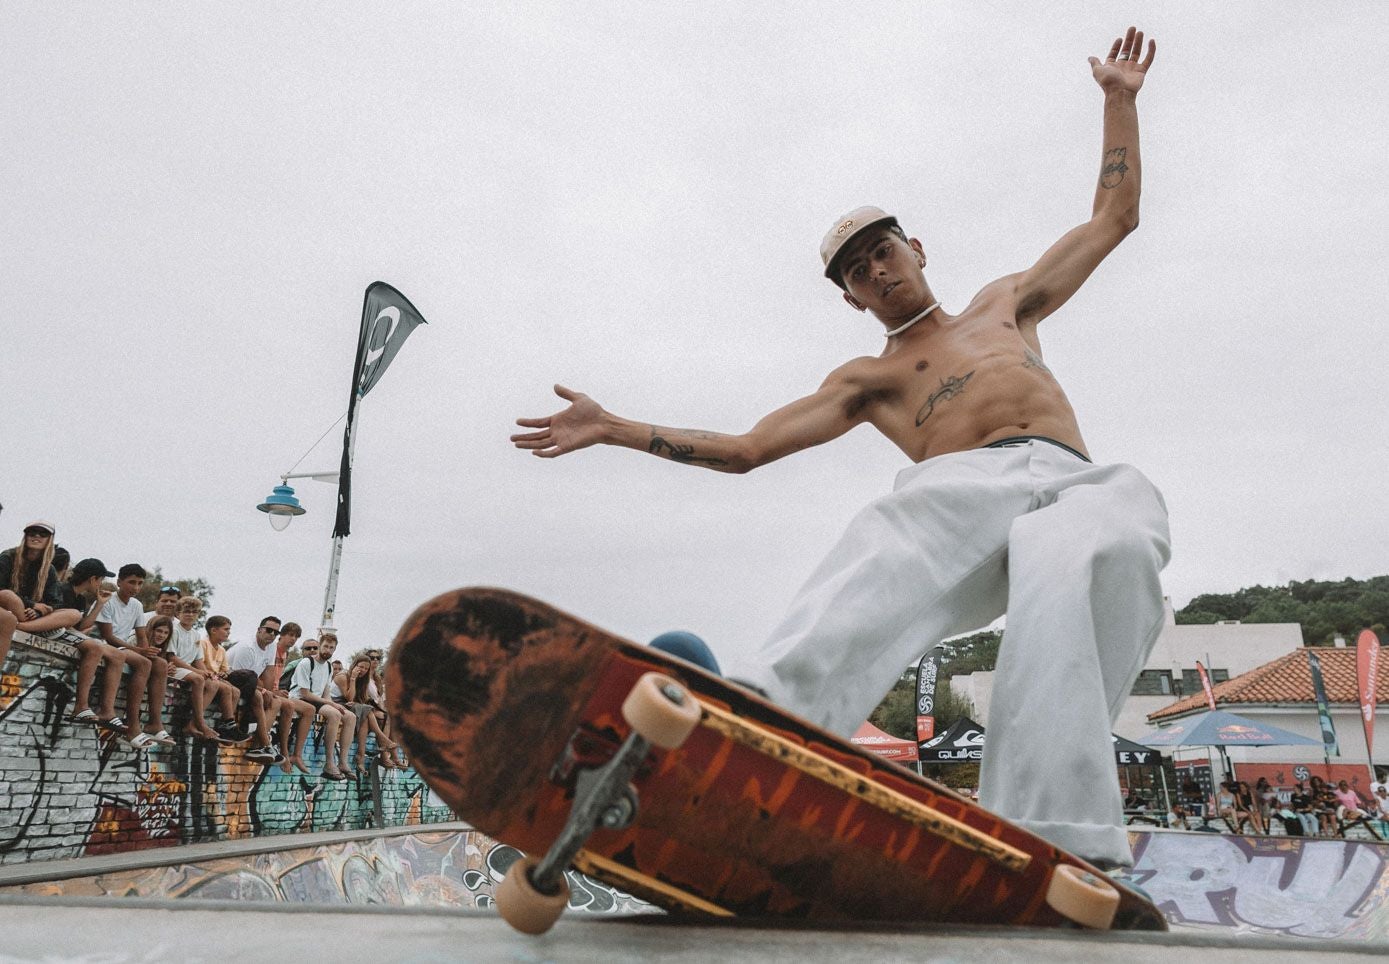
x=949, y=388
x=669, y=443
x=1114, y=169
x=1030, y=359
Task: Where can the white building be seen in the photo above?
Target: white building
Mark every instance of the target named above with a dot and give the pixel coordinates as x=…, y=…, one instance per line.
x=1280, y=694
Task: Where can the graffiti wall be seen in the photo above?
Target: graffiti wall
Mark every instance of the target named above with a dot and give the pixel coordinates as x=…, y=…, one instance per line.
x=69, y=790
x=428, y=869
x=1327, y=889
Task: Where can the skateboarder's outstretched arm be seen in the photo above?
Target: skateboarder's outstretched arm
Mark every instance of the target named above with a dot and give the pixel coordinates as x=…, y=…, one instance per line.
x=831, y=411
x=1058, y=274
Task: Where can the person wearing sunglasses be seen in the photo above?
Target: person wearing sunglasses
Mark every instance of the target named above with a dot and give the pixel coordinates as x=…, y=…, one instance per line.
x=251, y=668
x=29, y=585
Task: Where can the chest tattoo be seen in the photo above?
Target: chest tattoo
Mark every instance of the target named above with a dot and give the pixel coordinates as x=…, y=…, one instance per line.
x=949, y=388
x=1030, y=359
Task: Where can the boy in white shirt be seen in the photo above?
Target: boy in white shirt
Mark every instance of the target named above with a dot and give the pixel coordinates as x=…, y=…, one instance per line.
x=122, y=624
x=186, y=664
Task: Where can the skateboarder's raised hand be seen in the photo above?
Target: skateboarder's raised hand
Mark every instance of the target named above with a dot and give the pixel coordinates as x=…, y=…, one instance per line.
x=1122, y=69
x=577, y=427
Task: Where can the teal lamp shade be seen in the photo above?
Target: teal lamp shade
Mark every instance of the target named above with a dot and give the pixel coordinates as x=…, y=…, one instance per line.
x=281, y=506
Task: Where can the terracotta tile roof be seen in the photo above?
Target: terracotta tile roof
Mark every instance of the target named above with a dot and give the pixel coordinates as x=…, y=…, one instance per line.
x=1288, y=679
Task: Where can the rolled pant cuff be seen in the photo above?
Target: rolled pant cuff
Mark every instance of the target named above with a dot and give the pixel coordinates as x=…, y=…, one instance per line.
x=1089, y=841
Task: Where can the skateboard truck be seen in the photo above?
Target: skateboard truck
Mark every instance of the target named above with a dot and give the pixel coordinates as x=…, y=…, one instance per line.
x=661, y=713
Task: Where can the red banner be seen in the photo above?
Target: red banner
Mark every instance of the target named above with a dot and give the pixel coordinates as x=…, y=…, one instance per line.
x=1366, y=675
x=1206, y=684
x=925, y=728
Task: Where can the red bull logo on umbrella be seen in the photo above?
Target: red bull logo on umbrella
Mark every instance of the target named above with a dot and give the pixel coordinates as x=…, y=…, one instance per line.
x=1251, y=734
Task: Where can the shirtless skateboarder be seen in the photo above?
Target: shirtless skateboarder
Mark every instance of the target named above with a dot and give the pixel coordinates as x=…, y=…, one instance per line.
x=1003, y=510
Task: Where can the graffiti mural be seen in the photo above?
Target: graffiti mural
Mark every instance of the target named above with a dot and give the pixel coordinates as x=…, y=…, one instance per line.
x=429, y=868
x=71, y=790
x=1328, y=889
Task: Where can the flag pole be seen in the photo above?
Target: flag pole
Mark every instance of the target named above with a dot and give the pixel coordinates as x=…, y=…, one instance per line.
x=330, y=594
x=387, y=320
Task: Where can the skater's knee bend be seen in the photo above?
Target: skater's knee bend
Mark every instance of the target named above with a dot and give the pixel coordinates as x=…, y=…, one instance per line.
x=1131, y=543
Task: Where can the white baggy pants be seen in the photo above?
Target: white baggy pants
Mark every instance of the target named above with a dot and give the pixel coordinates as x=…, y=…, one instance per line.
x=1069, y=550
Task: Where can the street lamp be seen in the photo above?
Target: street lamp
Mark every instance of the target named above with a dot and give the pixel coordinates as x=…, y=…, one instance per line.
x=282, y=505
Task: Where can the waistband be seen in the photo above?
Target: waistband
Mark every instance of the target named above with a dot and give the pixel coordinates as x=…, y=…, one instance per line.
x=1013, y=440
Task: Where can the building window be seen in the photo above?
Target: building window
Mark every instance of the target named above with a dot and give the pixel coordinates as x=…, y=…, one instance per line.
x=1191, y=680
x=1153, y=682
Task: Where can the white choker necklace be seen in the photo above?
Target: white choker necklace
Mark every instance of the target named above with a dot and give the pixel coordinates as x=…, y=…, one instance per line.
x=901, y=328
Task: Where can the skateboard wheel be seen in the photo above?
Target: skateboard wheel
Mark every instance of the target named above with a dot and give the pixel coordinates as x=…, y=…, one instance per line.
x=525, y=908
x=661, y=711
x=1083, y=897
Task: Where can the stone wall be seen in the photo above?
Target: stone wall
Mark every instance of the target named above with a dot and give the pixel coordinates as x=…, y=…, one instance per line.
x=69, y=790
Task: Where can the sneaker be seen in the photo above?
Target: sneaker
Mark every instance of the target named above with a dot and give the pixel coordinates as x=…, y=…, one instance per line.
x=229, y=732
x=263, y=754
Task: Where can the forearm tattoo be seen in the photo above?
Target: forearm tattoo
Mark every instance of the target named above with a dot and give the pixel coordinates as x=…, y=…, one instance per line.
x=1030, y=359
x=1114, y=169
x=675, y=444
x=949, y=388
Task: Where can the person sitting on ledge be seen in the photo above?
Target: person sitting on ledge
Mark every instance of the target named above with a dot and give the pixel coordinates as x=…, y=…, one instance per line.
x=252, y=665
x=1349, y=806
x=167, y=603
x=122, y=624
x=86, y=593
x=204, y=686
x=310, y=684
x=29, y=583
x=292, y=710
x=351, y=689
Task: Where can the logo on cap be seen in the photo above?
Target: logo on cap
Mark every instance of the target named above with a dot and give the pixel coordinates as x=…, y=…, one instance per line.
x=844, y=227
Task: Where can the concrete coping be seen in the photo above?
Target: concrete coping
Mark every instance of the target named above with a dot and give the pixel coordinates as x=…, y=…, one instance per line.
x=38, y=871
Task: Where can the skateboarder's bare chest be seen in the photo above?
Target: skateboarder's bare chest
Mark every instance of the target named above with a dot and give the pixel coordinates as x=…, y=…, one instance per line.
x=957, y=385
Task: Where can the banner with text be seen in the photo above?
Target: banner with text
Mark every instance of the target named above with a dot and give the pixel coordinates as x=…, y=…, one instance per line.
x=1366, y=675
x=927, y=672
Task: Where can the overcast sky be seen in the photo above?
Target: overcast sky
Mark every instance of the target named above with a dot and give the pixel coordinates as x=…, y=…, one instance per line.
x=628, y=198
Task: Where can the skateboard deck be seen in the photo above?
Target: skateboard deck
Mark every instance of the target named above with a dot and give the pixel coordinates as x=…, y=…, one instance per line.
x=504, y=703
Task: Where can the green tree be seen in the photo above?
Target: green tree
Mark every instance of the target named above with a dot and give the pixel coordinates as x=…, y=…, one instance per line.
x=896, y=714
x=1323, y=608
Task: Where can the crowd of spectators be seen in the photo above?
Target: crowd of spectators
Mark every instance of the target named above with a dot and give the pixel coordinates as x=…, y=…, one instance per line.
x=1311, y=809
x=261, y=696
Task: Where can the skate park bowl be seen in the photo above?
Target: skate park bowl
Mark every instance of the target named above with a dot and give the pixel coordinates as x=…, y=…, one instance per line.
x=1225, y=893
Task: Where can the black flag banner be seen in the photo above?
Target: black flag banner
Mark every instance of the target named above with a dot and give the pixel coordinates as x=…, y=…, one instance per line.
x=387, y=320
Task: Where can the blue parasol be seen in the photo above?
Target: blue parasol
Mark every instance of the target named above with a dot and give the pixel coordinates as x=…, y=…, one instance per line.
x=1221, y=728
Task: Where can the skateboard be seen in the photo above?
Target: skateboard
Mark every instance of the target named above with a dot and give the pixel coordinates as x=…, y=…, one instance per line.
x=686, y=790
